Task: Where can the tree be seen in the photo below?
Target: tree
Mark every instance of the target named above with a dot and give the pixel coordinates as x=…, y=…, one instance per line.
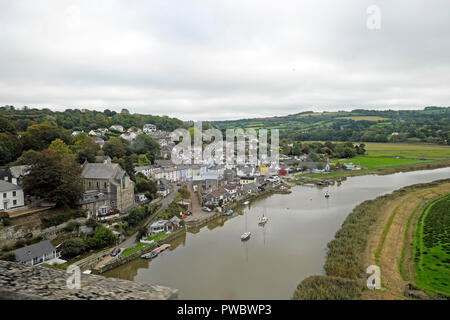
x=60, y=147
x=26, y=157
x=54, y=177
x=144, y=144
x=85, y=148
x=102, y=237
x=115, y=148
x=148, y=187
x=142, y=233
x=5, y=154
x=73, y=247
x=39, y=136
x=143, y=160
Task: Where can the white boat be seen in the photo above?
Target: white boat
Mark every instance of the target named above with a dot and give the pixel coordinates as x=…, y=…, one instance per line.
x=263, y=220
x=246, y=203
x=327, y=195
x=245, y=236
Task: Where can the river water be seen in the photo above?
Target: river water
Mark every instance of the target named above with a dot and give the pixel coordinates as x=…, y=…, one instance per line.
x=213, y=263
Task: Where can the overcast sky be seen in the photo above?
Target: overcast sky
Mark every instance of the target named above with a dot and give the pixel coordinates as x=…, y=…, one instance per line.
x=224, y=59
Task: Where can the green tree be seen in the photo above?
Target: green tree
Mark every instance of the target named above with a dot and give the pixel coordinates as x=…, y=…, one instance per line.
x=144, y=144
x=115, y=148
x=54, y=177
x=39, y=136
x=60, y=147
x=143, y=160
x=102, y=237
x=73, y=247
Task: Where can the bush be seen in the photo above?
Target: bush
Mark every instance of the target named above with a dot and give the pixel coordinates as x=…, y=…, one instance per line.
x=71, y=226
x=8, y=256
x=73, y=247
x=61, y=218
x=6, y=222
x=103, y=237
x=328, y=288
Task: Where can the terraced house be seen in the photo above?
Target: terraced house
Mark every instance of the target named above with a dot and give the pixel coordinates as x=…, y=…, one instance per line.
x=107, y=187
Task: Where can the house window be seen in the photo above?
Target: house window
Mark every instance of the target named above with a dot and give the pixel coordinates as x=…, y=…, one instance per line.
x=14, y=202
x=4, y=195
x=14, y=193
x=105, y=185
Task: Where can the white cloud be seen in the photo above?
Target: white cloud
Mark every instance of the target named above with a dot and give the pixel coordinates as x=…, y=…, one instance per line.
x=205, y=59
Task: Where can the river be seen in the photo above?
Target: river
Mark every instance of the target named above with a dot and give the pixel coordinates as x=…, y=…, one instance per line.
x=214, y=264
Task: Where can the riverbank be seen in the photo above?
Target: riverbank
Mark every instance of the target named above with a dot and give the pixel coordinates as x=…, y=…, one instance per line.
x=342, y=175
x=371, y=235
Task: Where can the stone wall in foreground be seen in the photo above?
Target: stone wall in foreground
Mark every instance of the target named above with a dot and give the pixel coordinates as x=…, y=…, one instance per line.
x=18, y=281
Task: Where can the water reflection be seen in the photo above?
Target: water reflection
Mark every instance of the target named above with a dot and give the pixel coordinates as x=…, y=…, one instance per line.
x=213, y=263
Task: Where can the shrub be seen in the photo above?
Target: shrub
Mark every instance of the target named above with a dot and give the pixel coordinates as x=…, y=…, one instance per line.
x=61, y=218
x=103, y=237
x=8, y=256
x=73, y=247
x=328, y=288
x=6, y=222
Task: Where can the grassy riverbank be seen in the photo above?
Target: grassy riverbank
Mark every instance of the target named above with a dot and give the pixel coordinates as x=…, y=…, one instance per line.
x=371, y=234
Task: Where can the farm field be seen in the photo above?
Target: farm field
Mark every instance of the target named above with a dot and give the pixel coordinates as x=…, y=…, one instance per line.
x=408, y=150
x=372, y=162
x=432, y=248
x=368, y=118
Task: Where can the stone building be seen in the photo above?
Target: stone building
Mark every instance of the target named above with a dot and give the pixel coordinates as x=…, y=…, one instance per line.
x=114, y=188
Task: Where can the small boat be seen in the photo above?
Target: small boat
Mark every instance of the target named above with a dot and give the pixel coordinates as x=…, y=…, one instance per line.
x=150, y=255
x=228, y=213
x=165, y=247
x=246, y=203
x=263, y=220
x=327, y=195
x=245, y=236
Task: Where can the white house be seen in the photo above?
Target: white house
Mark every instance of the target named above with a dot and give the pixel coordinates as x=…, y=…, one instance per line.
x=116, y=128
x=11, y=196
x=129, y=136
x=159, y=226
x=36, y=253
x=149, y=128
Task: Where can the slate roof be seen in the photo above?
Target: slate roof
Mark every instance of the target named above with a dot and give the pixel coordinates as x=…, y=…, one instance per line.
x=6, y=186
x=99, y=170
x=18, y=171
x=33, y=251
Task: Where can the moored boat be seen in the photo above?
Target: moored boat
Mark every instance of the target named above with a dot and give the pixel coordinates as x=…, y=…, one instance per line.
x=246, y=203
x=263, y=220
x=150, y=255
x=228, y=213
x=245, y=236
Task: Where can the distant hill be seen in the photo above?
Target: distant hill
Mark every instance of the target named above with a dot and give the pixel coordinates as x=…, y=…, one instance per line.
x=429, y=125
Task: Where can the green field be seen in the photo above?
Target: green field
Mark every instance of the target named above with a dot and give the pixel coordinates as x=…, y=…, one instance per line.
x=432, y=248
x=408, y=150
x=372, y=162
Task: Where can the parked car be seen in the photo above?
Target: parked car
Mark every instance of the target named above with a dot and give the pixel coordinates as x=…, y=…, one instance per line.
x=115, y=252
x=206, y=209
x=189, y=213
